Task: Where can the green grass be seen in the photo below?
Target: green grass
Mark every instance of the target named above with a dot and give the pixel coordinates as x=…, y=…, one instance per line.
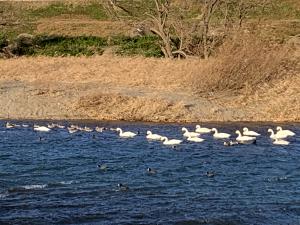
x=147, y=46
x=3, y=40
x=93, y=10
x=66, y=46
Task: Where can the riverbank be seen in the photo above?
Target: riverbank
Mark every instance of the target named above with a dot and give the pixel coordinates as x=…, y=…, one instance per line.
x=135, y=89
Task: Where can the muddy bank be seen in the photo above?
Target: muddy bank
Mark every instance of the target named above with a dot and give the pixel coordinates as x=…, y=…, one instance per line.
x=133, y=89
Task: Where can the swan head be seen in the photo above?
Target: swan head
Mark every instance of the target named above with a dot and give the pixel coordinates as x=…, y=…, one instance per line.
x=245, y=129
x=149, y=132
x=270, y=130
x=278, y=128
x=184, y=129
x=238, y=132
x=197, y=126
x=214, y=130
x=164, y=138
x=119, y=129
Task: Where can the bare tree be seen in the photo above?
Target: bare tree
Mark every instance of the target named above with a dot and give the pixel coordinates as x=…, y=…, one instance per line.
x=209, y=6
x=160, y=26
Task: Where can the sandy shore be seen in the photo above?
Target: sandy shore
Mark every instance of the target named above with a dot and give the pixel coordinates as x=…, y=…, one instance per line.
x=132, y=89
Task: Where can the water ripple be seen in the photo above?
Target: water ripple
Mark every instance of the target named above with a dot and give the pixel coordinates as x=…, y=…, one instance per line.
x=56, y=180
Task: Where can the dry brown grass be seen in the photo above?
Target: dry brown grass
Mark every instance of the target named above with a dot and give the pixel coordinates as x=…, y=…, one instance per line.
x=112, y=70
x=81, y=25
x=246, y=63
x=123, y=88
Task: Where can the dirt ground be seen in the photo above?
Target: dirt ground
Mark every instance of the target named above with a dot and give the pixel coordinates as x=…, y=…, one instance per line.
x=133, y=89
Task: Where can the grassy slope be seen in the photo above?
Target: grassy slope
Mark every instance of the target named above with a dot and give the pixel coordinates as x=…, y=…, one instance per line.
x=279, y=21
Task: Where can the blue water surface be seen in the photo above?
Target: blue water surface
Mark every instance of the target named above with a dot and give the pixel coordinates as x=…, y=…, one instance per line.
x=53, y=178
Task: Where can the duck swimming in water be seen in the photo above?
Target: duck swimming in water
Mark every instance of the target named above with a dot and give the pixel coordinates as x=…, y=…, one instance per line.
x=230, y=143
x=123, y=187
x=151, y=171
x=210, y=173
x=102, y=166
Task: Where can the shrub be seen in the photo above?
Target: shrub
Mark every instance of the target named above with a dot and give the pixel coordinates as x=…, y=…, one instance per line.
x=3, y=40
x=147, y=46
x=245, y=62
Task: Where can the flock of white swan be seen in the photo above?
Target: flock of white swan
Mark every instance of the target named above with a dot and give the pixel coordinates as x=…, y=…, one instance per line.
x=247, y=137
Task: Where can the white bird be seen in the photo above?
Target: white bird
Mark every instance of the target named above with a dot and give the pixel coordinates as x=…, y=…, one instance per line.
x=247, y=132
x=195, y=139
x=127, y=134
x=189, y=134
x=41, y=128
x=153, y=136
x=170, y=142
x=51, y=126
x=202, y=130
x=87, y=129
x=218, y=135
x=8, y=125
x=281, y=142
x=244, y=139
x=72, y=130
x=99, y=129
x=25, y=125
x=277, y=135
x=286, y=132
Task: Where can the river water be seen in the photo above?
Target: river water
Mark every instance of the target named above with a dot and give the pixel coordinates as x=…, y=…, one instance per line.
x=53, y=178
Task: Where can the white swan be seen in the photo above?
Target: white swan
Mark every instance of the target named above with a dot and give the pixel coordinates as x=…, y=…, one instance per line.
x=195, y=139
x=41, y=128
x=202, y=130
x=218, y=135
x=99, y=129
x=286, y=132
x=87, y=129
x=8, y=125
x=249, y=132
x=244, y=139
x=189, y=134
x=72, y=130
x=51, y=126
x=166, y=141
x=281, y=142
x=153, y=136
x=126, y=134
x=277, y=135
